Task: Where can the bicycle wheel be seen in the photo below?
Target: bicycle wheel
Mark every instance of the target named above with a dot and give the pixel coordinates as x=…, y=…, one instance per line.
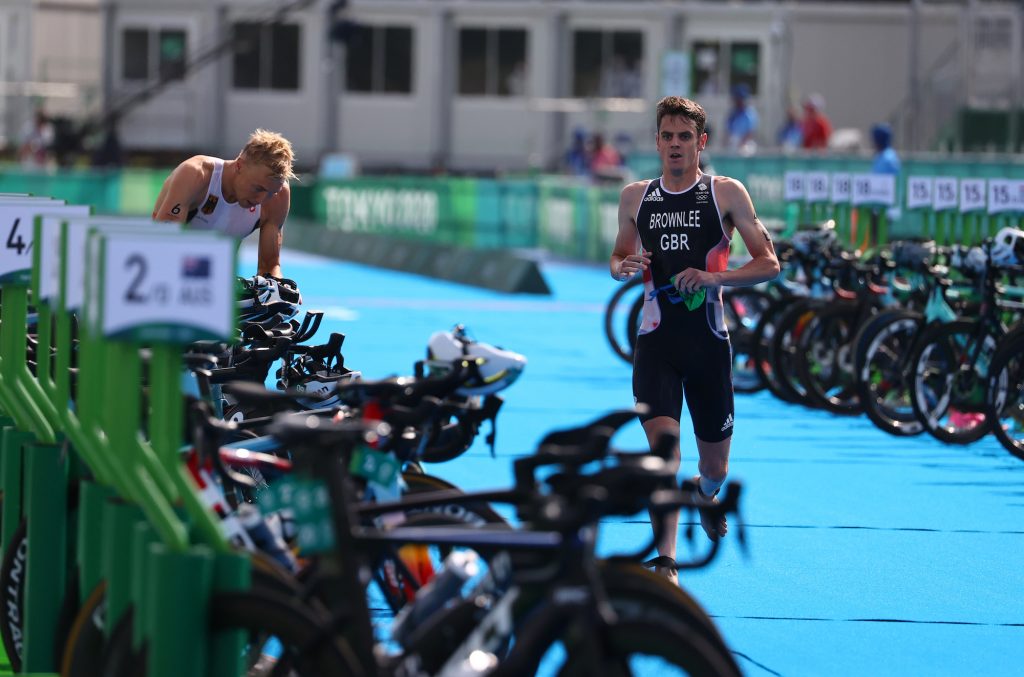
x=824, y=360
x=785, y=345
x=474, y=514
x=1006, y=395
x=622, y=348
x=948, y=388
x=636, y=594
x=630, y=647
x=301, y=639
x=12, y=594
x=884, y=347
x=763, y=355
x=633, y=321
x=87, y=651
x=83, y=650
x=744, y=309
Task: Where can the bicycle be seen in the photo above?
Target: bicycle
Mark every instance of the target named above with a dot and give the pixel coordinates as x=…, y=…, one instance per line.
x=594, y=636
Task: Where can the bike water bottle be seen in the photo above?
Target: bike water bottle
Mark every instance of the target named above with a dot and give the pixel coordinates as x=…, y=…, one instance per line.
x=459, y=567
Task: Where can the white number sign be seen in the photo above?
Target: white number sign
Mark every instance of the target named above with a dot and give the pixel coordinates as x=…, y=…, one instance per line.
x=874, y=189
x=946, y=193
x=76, y=243
x=167, y=288
x=795, y=186
x=17, y=228
x=841, y=188
x=919, y=192
x=972, y=195
x=1005, y=195
x=816, y=186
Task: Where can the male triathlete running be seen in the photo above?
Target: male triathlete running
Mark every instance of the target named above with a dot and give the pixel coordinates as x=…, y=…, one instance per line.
x=236, y=197
x=675, y=230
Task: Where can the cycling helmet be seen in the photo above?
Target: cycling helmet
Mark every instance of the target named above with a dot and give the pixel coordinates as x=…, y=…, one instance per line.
x=912, y=253
x=1008, y=247
x=498, y=368
x=323, y=385
x=268, y=301
x=815, y=239
x=975, y=260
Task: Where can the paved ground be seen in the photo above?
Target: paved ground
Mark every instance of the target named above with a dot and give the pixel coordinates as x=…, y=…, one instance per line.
x=868, y=555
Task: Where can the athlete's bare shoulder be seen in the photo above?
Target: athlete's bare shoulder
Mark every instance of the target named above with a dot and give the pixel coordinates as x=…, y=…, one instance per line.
x=194, y=172
x=632, y=193
x=198, y=166
x=726, y=182
x=729, y=189
x=184, y=188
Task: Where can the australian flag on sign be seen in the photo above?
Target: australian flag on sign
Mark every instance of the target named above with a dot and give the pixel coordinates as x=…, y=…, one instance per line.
x=196, y=267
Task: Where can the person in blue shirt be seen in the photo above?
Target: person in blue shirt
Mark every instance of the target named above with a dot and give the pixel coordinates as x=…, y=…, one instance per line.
x=741, y=126
x=791, y=134
x=577, y=158
x=886, y=160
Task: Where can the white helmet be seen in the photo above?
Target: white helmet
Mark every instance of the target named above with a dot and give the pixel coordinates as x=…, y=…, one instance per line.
x=499, y=368
x=1008, y=247
x=975, y=260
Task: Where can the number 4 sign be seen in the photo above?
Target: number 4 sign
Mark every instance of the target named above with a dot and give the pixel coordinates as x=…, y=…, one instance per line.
x=17, y=223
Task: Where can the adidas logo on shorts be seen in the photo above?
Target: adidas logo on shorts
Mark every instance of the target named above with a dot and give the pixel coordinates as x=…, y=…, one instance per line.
x=728, y=423
x=655, y=196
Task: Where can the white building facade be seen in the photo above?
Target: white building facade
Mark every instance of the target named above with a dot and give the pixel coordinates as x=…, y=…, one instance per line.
x=500, y=85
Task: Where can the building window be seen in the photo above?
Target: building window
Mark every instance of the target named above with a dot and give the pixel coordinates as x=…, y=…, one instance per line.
x=148, y=54
x=379, y=59
x=718, y=67
x=744, y=64
x=266, y=56
x=706, y=69
x=135, y=55
x=607, y=63
x=492, y=62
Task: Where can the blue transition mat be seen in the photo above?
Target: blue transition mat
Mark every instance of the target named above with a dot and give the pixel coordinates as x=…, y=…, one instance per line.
x=868, y=554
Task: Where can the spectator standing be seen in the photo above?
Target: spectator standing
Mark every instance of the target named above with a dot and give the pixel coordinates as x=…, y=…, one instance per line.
x=816, y=126
x=605, y=162
x=886, y=160
x=790, y=135
x=741, y=125
x=577, y=158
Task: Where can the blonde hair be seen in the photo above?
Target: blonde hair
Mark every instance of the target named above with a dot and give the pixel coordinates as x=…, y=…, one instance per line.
x=272, y=151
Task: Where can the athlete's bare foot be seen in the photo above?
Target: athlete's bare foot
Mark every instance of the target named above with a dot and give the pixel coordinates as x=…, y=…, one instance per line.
x=714, y=526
